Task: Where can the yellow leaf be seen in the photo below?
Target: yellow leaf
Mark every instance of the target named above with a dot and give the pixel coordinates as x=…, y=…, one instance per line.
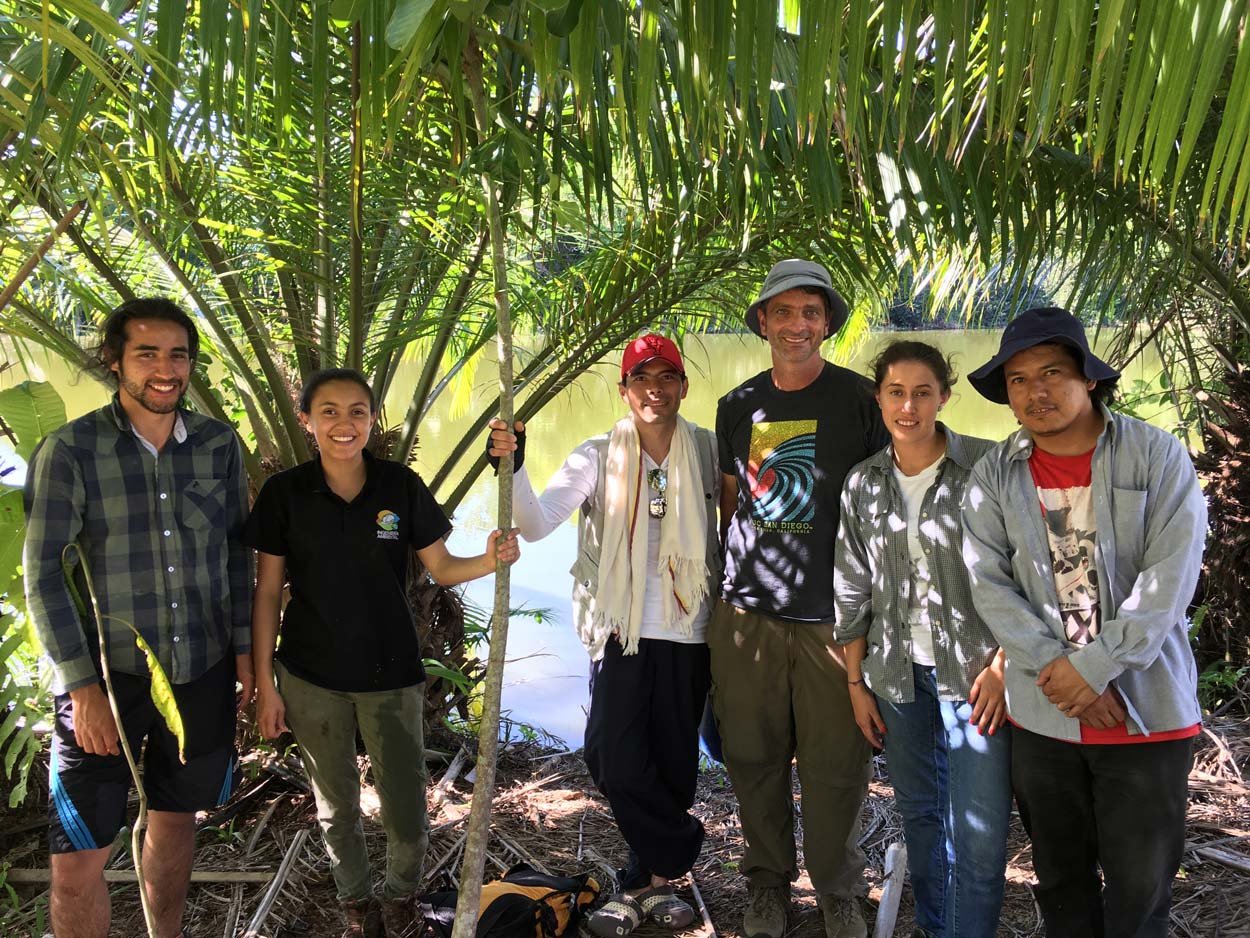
x=162, y=694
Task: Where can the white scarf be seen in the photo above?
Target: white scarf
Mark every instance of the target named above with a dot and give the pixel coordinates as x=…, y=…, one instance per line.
x=683, y=536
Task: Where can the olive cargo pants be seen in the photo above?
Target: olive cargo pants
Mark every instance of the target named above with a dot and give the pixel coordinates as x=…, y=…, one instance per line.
x=779, y=694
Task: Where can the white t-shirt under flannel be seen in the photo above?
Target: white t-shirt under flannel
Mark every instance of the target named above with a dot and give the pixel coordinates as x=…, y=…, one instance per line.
x=914, y=488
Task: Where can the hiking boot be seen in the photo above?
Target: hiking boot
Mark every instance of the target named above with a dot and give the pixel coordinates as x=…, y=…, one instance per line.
x=400, y=917
x=363, y=918
x=766, y=912
x=843, y=917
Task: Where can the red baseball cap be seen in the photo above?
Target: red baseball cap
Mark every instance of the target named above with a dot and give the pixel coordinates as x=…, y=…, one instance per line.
x=648, y=348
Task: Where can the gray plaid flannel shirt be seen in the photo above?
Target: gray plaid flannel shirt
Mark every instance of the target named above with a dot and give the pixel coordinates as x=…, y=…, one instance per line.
x=872, y=573
x=162, y=535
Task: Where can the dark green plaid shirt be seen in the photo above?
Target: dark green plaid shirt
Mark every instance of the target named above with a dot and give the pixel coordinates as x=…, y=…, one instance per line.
x=161, y=534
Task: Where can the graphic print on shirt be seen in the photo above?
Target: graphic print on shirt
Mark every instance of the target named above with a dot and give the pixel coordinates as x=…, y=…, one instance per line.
x=1069, y=514
x=781, y=476
x=388, y=525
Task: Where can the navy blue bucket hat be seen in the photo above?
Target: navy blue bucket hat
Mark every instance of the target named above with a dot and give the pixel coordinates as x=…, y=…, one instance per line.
x=792, y=274
x=1038, y=326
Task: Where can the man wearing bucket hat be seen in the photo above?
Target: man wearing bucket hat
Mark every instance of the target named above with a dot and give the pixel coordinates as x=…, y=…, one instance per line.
x=647, y=569
x=788, y=437
x=1083, y=533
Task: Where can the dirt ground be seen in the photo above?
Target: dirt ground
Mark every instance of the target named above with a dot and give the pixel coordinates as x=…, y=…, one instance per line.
x=548, y=813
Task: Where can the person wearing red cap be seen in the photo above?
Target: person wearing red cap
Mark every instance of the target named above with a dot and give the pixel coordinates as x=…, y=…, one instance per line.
x=647, y=568
x=788, y=437
x=1083, y=537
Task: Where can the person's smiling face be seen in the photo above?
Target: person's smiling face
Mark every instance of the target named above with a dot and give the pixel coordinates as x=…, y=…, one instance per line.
x=795, y=323
x=155, y=365
x=654, y=391
x=340, y=419
x=910, y=397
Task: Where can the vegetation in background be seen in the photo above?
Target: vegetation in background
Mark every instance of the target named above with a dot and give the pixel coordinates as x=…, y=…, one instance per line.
x=28, y=411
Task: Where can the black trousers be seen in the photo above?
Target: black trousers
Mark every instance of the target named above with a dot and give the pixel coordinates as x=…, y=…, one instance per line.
x=1121, y=807
x=642, y=749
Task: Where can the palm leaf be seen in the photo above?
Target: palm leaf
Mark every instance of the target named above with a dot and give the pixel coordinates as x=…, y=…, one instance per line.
x=32, y=410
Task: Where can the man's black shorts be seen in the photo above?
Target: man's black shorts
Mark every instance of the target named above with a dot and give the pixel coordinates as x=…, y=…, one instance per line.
x=87, y=805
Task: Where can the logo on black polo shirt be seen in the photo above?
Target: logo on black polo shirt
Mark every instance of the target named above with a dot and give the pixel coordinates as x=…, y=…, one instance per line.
x=388, y=525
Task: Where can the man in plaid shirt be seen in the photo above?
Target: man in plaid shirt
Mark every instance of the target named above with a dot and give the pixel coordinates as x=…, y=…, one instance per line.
x=150, y=499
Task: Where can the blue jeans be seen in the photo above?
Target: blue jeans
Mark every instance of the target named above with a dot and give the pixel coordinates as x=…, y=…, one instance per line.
x=953, y=788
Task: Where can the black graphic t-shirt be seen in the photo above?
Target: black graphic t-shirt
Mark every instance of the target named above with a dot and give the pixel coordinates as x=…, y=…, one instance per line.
x=348, y=626
x=791, y=452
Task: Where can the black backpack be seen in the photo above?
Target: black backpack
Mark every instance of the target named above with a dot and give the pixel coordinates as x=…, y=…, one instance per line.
x=523, y=904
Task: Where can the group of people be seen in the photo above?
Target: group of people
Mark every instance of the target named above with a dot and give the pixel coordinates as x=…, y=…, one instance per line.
x=833, y=570
x=1001, y=618
x=155, y=498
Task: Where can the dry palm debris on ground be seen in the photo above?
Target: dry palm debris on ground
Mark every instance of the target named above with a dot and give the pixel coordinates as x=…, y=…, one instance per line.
x=547, y=812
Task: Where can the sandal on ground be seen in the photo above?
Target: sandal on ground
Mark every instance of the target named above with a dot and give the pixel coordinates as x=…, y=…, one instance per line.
x=617, y=917
x=666, y=908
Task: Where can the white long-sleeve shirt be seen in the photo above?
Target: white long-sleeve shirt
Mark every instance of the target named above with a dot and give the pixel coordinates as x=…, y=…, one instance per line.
x=574, y=484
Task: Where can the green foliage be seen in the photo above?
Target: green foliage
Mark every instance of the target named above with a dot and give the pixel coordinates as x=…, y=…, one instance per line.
x=1222, y=683
x=24, y=701
x=32, y=410
x=649, y=158
x=465, y=681
x=12, y=535
x=21, y=920
x=455, y=678
x=1146, y=399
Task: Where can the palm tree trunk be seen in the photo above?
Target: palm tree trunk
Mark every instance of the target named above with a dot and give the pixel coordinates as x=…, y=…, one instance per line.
x=488, y=729
x=356, y=235
x=33, y=261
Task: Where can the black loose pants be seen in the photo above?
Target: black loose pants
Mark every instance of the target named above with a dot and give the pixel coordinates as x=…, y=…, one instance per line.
x=642, y=749
x=1118, y=807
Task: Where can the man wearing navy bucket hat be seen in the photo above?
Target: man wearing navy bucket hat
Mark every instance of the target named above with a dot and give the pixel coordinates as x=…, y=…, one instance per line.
x=1083, y=533
x=788, y=437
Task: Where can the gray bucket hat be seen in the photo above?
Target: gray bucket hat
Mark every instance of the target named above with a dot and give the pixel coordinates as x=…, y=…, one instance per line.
x=792, y=273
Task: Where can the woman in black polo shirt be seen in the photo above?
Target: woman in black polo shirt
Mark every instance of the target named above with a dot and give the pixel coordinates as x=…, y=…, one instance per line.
x=339, y=529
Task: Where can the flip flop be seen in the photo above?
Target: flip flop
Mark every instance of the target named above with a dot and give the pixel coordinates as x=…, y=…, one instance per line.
x=665, y=908
x=617, y=917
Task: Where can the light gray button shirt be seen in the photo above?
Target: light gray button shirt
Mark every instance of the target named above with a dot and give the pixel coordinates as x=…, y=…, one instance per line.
x=872, y=570
x=1152, y=521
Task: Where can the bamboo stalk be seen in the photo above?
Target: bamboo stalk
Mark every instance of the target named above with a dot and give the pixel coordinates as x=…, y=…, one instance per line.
x=43, y=874
x=446, y=856
x=488, y=728
x=698, y=898
x=232, y=916
x=136, y=832
x=892, y=894
x=275, y=887
x=260, y=825
x=1226, y=857
x=450, y=776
